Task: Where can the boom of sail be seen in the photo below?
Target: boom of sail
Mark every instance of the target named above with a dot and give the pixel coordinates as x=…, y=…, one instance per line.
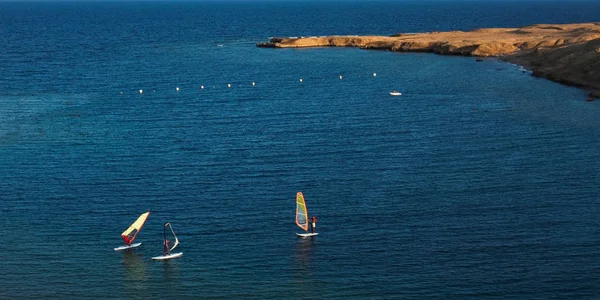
x=301, y=212
x=130, y=233
x=176, y=239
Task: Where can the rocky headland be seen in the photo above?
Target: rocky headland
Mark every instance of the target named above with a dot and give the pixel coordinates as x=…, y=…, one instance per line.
x=566, y=53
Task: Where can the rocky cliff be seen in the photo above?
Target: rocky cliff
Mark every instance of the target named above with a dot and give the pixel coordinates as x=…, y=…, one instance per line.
x=567, y=53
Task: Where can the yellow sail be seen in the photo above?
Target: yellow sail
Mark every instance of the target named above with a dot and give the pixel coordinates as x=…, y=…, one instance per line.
x=301, y=212
x=130, y=233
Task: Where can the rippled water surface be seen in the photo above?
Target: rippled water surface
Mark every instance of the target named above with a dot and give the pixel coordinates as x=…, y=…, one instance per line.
x=480, y=181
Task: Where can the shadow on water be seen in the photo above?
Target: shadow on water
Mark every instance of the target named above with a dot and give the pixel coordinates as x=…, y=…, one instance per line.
x=171, y=275
x=171, y=269
x=304, y=266
x=135, y=273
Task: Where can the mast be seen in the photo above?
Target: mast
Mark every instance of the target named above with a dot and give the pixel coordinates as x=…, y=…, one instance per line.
x=165, y=242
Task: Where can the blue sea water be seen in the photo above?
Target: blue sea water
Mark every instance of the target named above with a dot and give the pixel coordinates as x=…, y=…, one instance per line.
x=480, y=181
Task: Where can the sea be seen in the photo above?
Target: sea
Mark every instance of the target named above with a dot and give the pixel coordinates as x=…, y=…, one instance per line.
x=479, y=182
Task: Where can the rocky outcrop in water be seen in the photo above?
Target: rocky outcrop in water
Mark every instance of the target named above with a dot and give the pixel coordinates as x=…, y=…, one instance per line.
x=566, y=53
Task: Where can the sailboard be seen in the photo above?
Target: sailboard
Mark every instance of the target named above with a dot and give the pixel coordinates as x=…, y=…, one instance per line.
x=131, y=233
x=167, y=254
x=302, y=216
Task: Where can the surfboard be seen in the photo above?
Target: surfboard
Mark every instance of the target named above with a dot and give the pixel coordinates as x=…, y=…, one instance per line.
x=395, y=93
x=131, y=233
x=168, y=256
x=306, y=234
x=127, y=247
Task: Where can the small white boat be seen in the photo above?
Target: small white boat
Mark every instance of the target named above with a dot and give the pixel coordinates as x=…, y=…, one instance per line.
x=166, y=250
x=395, y=93
x=131, y=233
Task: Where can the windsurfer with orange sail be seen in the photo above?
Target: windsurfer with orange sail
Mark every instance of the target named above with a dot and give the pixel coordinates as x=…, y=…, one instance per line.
x=131, y=233
x=302, y=219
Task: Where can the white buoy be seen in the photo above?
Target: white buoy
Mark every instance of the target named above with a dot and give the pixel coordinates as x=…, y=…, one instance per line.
x=374, y=74
x=253, y=83
x=201, y=87
x=141, y=91
x=340, y=76
x=121, y=93
x=229, y=85
x=300, y=79
x=177, y=89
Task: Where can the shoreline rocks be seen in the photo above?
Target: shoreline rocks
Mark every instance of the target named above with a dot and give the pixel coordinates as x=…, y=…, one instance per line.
x=565, y=53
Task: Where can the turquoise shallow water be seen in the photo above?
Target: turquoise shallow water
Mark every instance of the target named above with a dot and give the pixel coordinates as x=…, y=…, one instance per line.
x=480, y=181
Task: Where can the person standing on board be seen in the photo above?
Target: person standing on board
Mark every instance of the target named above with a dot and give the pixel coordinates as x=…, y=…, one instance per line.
x=166, y=250
x=314, y=224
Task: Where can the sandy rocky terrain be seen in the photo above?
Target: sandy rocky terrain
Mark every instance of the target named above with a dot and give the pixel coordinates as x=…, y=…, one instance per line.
x=566, y=53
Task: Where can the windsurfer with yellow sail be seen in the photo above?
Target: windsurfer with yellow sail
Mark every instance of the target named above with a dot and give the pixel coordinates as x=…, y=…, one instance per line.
x=314, y=224
x=302, y=219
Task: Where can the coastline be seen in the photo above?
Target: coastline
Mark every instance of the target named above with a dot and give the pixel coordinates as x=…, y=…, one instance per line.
x=564, y=53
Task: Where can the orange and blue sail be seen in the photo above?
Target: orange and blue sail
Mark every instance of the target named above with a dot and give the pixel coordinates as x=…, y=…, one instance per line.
x=130, y=233
x=301, y=212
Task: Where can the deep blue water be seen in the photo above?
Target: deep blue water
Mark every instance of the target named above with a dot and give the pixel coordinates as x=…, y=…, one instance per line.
x=480, y=181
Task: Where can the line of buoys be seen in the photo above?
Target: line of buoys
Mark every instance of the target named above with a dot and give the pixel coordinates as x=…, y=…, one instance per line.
x=253, y=83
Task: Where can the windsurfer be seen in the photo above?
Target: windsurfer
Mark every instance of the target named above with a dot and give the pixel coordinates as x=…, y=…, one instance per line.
x=166, y=250
x=314, y=224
